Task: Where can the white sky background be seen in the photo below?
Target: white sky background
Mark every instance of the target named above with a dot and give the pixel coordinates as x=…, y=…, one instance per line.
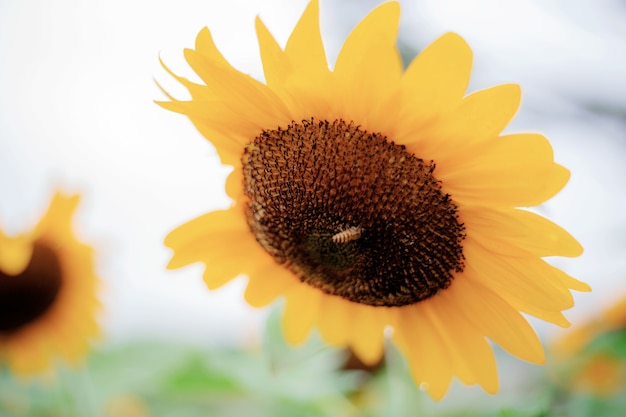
x=76, y=92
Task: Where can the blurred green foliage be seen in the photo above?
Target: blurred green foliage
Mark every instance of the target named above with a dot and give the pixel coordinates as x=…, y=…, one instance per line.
x=273, y=379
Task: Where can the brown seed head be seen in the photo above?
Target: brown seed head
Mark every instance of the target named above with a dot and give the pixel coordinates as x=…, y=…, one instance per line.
x=352, y=213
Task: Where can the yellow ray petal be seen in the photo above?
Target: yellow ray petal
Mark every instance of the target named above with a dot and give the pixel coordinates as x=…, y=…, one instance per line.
x=497, y=319
x=234, y=184
x=224, y=265
x=206, y=47
x=568, y=281
x=555, y=181
x=480, y=116
x=275, y=65
x=207, y=247
x=473, y=357
x=436, y=80
x=379, y=28
x=457, y=362
x=301, y=310
x=15, y=253
x=515, y=170
x=507, y=230
x=210, y=239
x=419, y=342
x=369, y=66
x=30, y=356
x=72, y=347
x=197, y=91
x=216, y=124
x=267, y=283
x=304, y=48
x=367, y=333
x=477, y=119
x=528, y=278
x=526, y=306
x=251, y=99
x=216, y=222
x=58, y=218
x=334, y=320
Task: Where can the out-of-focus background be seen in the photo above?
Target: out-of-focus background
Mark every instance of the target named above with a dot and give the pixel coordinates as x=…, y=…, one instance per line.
x=77, y=111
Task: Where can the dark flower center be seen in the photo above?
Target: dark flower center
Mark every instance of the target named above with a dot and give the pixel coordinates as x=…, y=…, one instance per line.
x=352, y=213
x=27, y=296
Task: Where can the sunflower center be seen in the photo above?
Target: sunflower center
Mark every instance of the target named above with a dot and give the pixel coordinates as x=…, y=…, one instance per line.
x=352, y=213
x=27, y=296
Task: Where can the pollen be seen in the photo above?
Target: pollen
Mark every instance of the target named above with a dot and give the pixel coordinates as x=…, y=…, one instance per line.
x=351, y=213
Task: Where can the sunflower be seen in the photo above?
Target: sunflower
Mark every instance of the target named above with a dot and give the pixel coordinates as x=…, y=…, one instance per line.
x=592, y=354
x=47, y=293
x=372, y=197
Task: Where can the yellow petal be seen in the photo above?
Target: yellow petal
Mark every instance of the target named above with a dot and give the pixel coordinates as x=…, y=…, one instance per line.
x=15, y=253
x=367, y=329
x=506, y=231
x=526, y=306
x=304, y=48
x=514, y=170
x=206, y=47
x=528, y=278
x=380, y=29
x=267, y=283
x=418, y=340
x=458, y=364
x=369, y=66
x=234, y=184
x=275, y=65
x=207, y=247
x=226, y=264
x=220, y=222
x=334, y=320
x=197, y=91
x=228, y=144
x=301, y=310
x=497, y=319
x=243, y=94
x=29, y=358
x=569, y=281
x=436, y=80
x=58, y=218
x=480, y=116
x=478, y=119
x=210, y=239
x=473, y=358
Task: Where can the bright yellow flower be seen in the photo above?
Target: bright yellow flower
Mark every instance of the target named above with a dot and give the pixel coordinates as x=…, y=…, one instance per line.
x=371, y=197
x=600, y=371
x=601, y=375
x=47, y=293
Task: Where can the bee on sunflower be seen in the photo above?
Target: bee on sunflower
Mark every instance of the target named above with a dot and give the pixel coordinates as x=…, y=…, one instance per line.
x=372, y=197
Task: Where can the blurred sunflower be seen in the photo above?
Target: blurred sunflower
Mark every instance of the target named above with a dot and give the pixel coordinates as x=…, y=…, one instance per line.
x=369, y=196
x=47, y=293
x=593, y=355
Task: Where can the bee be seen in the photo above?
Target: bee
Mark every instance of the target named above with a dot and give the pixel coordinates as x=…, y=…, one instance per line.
x=351, y=233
